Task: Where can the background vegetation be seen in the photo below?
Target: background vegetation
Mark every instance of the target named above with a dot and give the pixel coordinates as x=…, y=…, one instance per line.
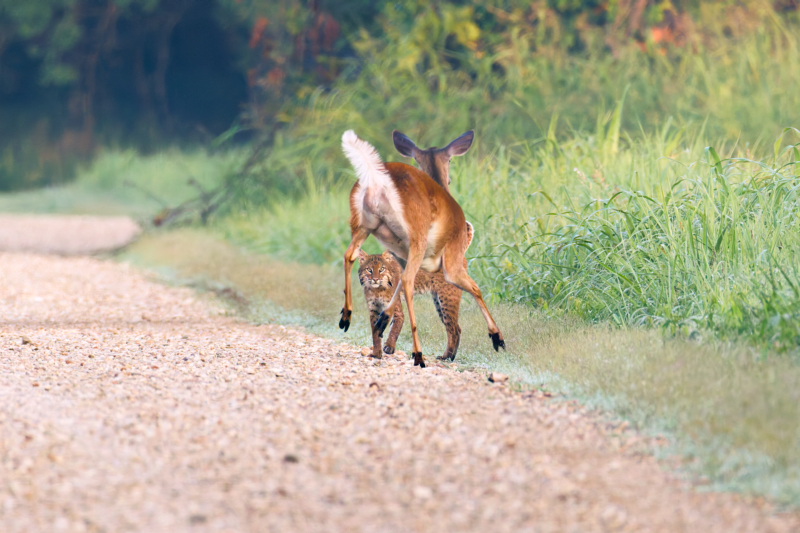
x=634, y=183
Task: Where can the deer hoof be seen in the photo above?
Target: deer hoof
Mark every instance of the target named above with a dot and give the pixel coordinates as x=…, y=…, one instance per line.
x=344, y=322
x=497, y=341
x=381, y=323
x=388, y=350
x=419, y=360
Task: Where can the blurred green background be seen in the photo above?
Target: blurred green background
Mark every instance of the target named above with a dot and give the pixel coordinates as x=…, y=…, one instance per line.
x=81, y=76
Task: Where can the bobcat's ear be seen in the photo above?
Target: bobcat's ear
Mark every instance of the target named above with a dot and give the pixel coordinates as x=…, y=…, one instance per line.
x=387, y=255
x=362, y=256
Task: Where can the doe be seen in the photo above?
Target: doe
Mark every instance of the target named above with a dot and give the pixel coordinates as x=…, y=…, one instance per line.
x=414, y=217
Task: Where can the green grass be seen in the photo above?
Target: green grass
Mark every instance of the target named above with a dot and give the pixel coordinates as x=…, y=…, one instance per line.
x=127, y=183
x=731, y=412
x=736, y=75
x=709, y=245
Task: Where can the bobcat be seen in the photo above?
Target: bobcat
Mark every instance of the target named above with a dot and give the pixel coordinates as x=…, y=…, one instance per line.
x=378, y=275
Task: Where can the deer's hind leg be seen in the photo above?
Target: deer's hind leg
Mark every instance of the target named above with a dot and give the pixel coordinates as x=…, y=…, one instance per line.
x=455, y=272
x=359, y=236
x=416, y=254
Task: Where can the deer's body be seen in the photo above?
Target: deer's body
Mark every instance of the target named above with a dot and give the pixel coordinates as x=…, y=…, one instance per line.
x=416, y=219
x=427, y=213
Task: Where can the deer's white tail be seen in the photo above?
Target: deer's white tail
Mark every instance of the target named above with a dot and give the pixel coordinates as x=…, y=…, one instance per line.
x=366, y=161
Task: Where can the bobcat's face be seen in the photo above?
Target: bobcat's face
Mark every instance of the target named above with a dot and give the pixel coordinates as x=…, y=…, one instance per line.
x=375, y=271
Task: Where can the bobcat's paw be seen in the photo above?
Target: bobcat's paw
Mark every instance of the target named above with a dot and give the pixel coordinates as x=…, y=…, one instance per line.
x=497, y=341
x=344, y=322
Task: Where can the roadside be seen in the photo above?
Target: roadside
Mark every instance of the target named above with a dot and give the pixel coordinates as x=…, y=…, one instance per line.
x=729, y=412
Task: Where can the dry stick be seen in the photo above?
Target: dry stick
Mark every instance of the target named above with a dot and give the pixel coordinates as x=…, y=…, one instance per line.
x=133, y=185
x=208, y=201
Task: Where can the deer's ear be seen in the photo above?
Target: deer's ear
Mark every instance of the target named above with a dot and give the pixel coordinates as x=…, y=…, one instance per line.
x=403, y=144
x=461, y=144
x=362, y=256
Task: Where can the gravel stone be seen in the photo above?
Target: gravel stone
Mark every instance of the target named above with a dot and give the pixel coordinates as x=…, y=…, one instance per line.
x=497, y=377
x=138, y=407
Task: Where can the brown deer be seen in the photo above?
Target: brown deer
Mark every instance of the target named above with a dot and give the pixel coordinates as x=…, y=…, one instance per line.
x=414, y=217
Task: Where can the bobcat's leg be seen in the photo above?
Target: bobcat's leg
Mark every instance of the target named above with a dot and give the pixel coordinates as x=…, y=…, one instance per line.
x=385, y=316
x=397, y=326
x=447, y=300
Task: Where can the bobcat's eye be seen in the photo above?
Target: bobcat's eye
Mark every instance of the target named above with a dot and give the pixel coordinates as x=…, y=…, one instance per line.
x=382, y=269
x=369, y=270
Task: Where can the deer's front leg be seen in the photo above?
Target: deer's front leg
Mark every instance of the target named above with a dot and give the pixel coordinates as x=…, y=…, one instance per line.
x=359, y=236
x=415, y=256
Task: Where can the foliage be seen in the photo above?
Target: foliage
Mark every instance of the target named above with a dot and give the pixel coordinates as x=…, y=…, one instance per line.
x=78, y=74
x=708, y=245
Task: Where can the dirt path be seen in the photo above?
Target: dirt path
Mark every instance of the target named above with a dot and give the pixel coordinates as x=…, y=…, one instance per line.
x=129, y=406
x=65, y=234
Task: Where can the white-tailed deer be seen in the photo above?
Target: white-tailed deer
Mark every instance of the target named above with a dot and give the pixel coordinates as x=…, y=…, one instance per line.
x=416, y=219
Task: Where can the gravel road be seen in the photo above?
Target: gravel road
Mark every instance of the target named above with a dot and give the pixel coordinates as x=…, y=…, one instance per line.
x=65, y=234
x=126, y=405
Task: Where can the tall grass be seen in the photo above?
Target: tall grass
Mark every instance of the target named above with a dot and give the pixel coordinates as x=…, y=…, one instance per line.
x=737, y=73
x=714, y=244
